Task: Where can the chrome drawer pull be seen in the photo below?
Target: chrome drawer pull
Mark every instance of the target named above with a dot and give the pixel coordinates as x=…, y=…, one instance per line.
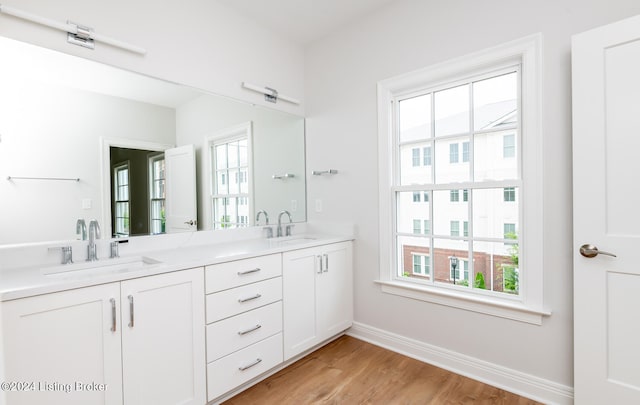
x=249, y=298
x=248, y=366
x=244, y=332
x=242, y=273
x=320, y=260
x=113, y=314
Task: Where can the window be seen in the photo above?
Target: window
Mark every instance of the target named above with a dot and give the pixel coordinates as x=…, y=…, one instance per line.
x=427, y=227
x=157, y=193
x=421, y=264
x=509, y=194
x=416, y=156
x=465, y=151
x=509, y=231
x=458, y=270
x=426, y=196
x=454, y=195
x=230, y=160
x=471, y=117
x=453, y=153
x=416, y=196
x=455, y=228
x=509, y=146
x=416, y=226
x=426, y=156
x=121, y=199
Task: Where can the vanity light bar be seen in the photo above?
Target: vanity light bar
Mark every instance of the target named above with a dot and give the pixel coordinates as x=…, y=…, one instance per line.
x=78, y=35
x=271, y=95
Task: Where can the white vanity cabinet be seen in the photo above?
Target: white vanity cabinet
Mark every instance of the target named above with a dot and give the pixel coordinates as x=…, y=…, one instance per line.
x=147, y=332
x=244, y=321
x=317, y=295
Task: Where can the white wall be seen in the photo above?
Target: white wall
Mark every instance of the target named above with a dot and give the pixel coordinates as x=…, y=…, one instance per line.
x=55, y=131
x=278, y=148
x=341, y=74
x=200, y=43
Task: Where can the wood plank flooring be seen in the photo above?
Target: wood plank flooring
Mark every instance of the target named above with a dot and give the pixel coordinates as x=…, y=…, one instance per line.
x=350, y=371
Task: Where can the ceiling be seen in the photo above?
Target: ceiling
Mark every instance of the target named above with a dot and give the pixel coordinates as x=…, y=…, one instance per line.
x=304, y=21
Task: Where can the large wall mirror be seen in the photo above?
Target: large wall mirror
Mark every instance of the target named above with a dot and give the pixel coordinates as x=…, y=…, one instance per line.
x=57, y=112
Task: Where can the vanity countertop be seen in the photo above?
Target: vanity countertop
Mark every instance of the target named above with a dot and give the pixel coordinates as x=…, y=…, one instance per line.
x=36, y=280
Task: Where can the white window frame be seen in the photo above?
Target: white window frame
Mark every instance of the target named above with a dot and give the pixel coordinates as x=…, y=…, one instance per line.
x=152, y=181
x=528, y=306
x=240, y=131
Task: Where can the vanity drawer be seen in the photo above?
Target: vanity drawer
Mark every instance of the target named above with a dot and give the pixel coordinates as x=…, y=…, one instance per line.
x=228, y=303
x=232, y=334
x=223, y=276
x=237, y=368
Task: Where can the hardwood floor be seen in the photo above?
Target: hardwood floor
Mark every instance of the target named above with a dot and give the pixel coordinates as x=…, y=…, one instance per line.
x=350, y=371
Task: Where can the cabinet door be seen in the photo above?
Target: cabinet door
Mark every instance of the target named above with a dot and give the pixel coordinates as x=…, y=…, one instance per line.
x=57, y=343
x=299, y=270
x=334, y=291
x=163, y=345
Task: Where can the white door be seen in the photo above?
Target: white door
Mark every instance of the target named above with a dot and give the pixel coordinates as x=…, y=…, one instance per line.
x=181, y=211
x=300, y=268
x=163, y=343
x=606, y=199
x=54, y=341
x=334, y=291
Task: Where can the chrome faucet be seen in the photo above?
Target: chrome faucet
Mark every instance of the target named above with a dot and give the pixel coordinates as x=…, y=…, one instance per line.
x=288, y=227
x=81, y=229
x=266, y=222
x=94, y=233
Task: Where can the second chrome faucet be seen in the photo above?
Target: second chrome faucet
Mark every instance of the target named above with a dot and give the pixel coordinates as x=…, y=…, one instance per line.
x=94, y=233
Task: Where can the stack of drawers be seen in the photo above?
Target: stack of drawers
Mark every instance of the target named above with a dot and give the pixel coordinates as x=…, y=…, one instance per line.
x=244, y=321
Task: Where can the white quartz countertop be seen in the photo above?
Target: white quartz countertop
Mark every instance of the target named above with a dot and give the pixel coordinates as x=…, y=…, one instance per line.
x=35, y=280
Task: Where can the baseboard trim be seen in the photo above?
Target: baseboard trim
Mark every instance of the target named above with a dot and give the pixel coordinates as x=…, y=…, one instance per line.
x=526, y=385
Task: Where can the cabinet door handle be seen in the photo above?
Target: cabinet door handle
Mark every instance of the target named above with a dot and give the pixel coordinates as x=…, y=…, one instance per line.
x=113, y=314
x=320, y=260
x=326, y=262
x=249, y=298
x=130, y=311
x=248, y=366
x=244, y=332
x=242, y=273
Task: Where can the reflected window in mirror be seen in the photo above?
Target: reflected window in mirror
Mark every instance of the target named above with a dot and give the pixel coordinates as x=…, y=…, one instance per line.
x=157, y=195
x=231, y=176
x=121, y=199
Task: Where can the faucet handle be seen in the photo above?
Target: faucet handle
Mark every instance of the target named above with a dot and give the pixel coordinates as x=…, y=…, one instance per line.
x=287, y=231
x=67, y=253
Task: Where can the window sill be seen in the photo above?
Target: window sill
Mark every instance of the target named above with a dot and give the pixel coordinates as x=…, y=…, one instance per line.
x=484, y=305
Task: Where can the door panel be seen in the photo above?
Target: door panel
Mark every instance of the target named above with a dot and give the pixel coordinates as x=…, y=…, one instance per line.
x=606, y=136
x=163, y=350
x=181, y=210
x=57, y=340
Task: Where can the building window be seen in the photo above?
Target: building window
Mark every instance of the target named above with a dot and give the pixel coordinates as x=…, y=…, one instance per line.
x=465, y=151
x=416, y=157
x=421, y=264
x=121, y=199
x=427, y=227
x=157, y=193
x=416, y=196
x=416, y=226
x=453, y=153
x=458, y=270
x=426, y=156
x=454, y=228
x=454, y=195
x=471, y=106
x=509, y=194
x=508, y=146
x=426, y=196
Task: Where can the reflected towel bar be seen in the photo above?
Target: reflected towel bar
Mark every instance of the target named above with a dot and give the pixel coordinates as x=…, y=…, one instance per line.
x=42, y=178
x=319, y=173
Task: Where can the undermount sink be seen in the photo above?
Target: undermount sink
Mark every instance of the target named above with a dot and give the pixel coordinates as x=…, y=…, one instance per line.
x=103, y=266
x=290, y=240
